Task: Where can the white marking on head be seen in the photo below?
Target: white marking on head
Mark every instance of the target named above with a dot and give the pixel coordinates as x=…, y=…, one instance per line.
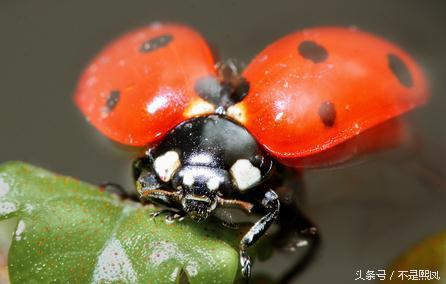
x=188, y=179
x=213, y=183
x=166, y=165
x=245, y=174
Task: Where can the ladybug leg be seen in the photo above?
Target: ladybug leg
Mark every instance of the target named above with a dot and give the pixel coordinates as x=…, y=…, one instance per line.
x=297, y=233
x=162, y=211
x=165, y=198
x=171, y=214
x=271, y=203
x=118, y=190
x=296, y=229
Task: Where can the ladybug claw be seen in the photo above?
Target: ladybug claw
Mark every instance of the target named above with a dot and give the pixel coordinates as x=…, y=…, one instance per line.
x=155, y=214
x=170, y=214
x=174, y=216
x=245, y=262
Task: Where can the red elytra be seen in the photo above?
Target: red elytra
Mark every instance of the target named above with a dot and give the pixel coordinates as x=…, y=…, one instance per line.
x=389, y=134
x=309, y=91
x=141, y=85
x=317, y=88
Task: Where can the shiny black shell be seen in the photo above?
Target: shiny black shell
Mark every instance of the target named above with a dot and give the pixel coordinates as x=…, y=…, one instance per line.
x=213, y=141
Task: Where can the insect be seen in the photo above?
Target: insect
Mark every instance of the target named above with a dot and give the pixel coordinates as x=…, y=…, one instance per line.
x=214, y=136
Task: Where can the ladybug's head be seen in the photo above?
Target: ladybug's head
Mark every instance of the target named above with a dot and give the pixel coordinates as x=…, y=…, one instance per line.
x=199, y=190
x=202, y=162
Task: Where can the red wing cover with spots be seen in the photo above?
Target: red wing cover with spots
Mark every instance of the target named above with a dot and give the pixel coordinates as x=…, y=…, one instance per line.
x=317, y=88
x=141, y=85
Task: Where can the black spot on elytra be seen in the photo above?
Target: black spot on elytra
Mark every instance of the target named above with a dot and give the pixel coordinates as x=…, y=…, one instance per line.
x=208, y=88
x=327, y=113
x=400, y=70
x=155, y=43
x=112, y=100
x=312, y=51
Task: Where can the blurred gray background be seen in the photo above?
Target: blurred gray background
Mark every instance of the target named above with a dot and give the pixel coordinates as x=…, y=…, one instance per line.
x=368, y=212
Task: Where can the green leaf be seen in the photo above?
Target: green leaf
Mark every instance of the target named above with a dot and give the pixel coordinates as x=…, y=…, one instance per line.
x=69, y=231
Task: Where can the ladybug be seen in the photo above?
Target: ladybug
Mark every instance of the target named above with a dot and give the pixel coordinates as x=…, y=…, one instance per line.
x=215, y=136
